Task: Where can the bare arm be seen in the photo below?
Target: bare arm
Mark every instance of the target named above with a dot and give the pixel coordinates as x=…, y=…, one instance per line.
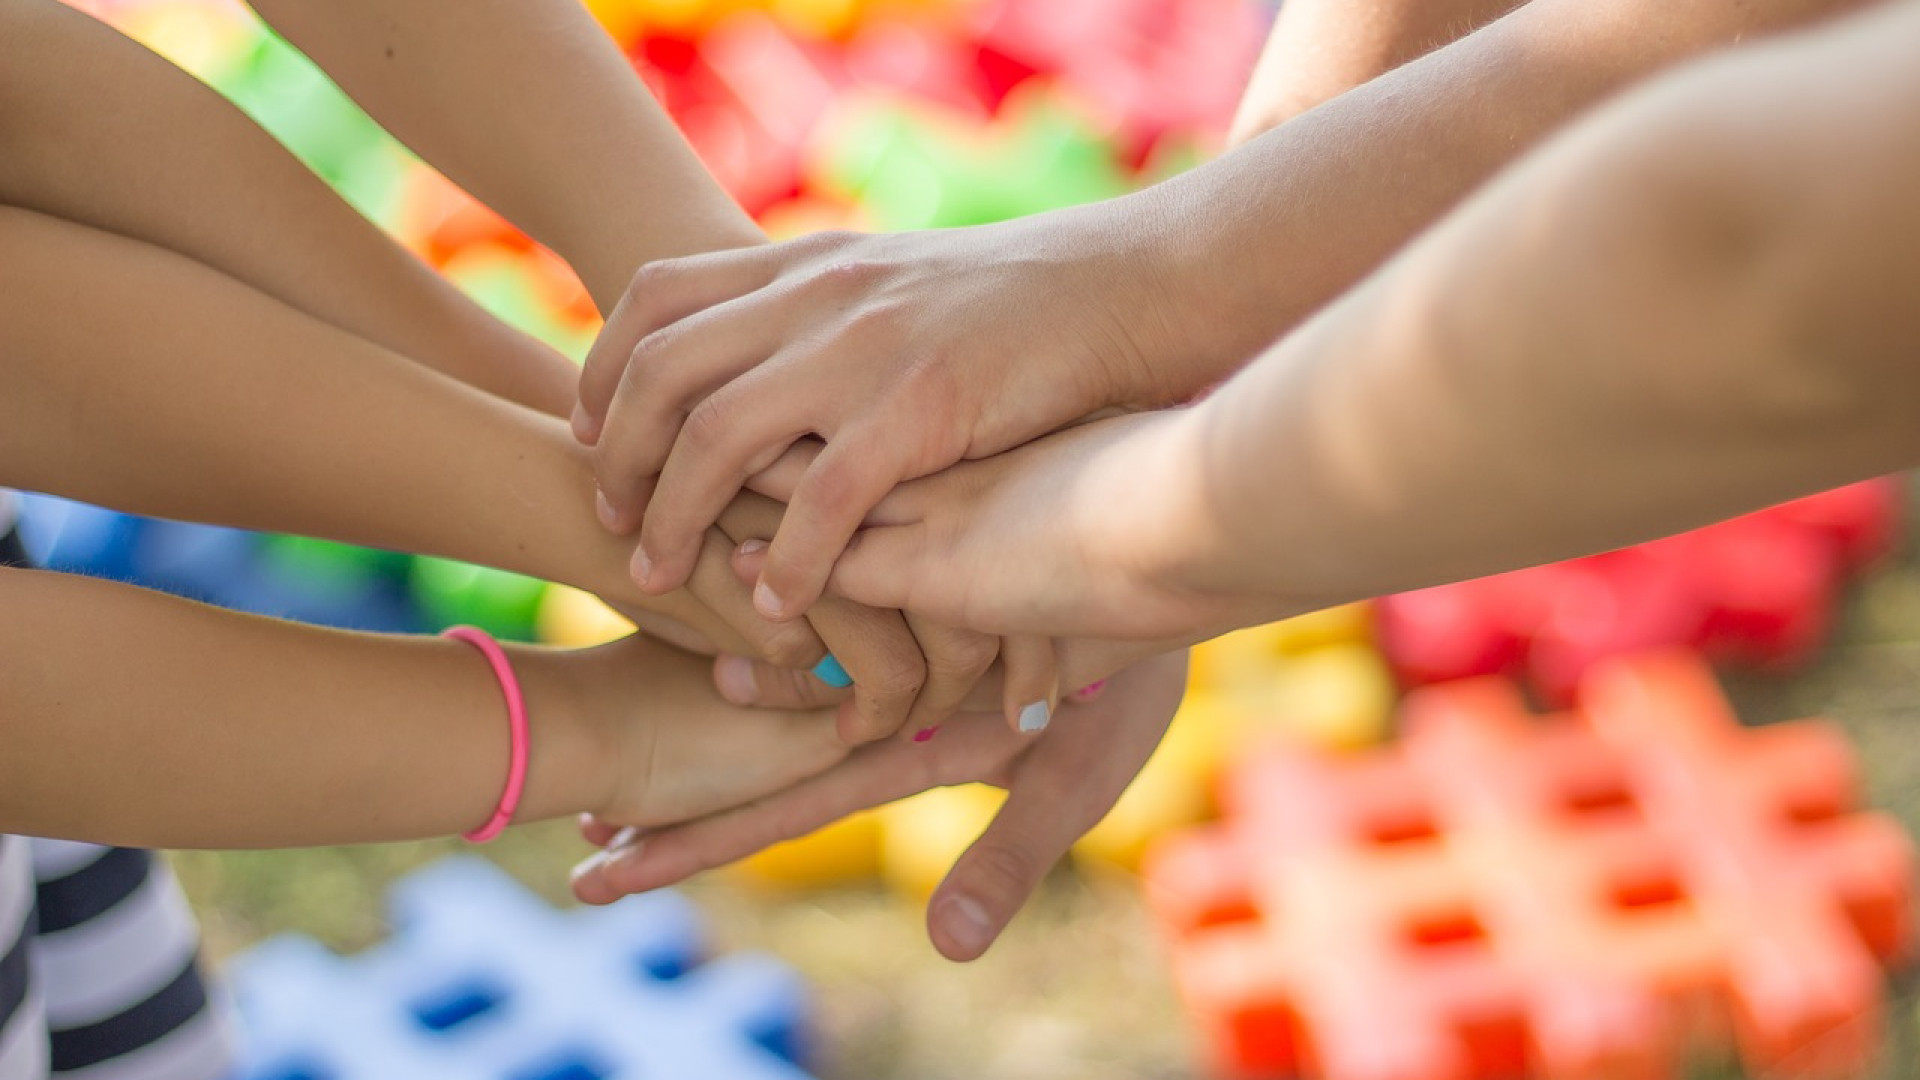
x=137, y=718
x=1320, y=49
x=527, y=104
x=910, y=352
x=149, y=153
x=1694, y=304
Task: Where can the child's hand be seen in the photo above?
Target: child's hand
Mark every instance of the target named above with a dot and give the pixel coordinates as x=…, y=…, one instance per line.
x=677, y=750
x=1071, y=536
x=904, y=352
x=1059, y=786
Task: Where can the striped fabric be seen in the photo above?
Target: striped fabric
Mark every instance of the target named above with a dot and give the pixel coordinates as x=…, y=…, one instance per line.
x=99, y=973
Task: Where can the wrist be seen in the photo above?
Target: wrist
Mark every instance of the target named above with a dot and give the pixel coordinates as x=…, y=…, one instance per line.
x=572, y=764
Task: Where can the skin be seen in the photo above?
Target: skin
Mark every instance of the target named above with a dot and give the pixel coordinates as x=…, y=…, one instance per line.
x=260, y=733
x=908, y=353
x=1689, y=306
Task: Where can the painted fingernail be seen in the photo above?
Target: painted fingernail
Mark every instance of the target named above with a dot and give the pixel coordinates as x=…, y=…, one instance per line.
x=609, y=517
x=766, y=601
x=1090, y=691
x=626, y=858
x=734, y=676
x=642, y=567
x=830, y=671
x=752, y=547
x=926, y=734
x=590, y=864
x=967, y=923
x=1035, y=717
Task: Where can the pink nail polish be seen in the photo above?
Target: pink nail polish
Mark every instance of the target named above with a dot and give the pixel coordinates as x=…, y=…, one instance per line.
x=1090, y=691
x=926, y=734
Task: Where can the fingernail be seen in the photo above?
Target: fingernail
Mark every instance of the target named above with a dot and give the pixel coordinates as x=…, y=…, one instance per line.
x=1090, y=691
x=588, y=865
x=925, y=734
x=626, y=858
x=734, y=676
x=766, y=601
x=584, y=429
x=642, y=567
x=829, y=671
x=752, y=547
x=1035, y=717
x=609, y=517
x=966, y=923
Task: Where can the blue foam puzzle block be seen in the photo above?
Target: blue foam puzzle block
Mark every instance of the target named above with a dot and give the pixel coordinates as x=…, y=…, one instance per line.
x=482, y=980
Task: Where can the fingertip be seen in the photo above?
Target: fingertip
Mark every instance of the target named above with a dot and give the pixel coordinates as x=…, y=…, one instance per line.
x=961, y=927
x=586, y=427
x=733, y=677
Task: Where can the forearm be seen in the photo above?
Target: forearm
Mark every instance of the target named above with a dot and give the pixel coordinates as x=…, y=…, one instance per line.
x=136, y=718
x=1689, y=307
x=277, y=421
x=1256, y=241
x=531, y=107
x=150, y=153
x=1320, y=49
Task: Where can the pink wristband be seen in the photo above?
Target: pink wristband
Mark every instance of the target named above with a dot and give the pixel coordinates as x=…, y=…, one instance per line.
x=516, y=729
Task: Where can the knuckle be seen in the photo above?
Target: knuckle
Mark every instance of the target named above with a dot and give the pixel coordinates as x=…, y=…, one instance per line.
x=651, y=279
x=834, y=484
x=851, y=273
x=1005, y=870
x=708, y=424
x=786, y=645
x=963, y=659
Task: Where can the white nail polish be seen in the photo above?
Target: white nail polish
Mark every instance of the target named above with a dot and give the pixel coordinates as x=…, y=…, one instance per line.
x=1035, y=717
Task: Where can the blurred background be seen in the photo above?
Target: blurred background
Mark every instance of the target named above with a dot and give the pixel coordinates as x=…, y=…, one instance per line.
x=908, y=114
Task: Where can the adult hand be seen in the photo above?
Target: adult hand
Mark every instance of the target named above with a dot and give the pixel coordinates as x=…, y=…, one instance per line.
x=1058, y=786
x=906, y=353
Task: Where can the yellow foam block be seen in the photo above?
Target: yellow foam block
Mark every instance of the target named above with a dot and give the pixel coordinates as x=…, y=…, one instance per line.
x=922, y=836
x=1229, y=662
x=1173, y=791
x=576, y=620
x=843, y=853
x=1340, y=697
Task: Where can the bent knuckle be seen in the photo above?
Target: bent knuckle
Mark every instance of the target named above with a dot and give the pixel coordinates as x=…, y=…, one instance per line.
x=709, y=425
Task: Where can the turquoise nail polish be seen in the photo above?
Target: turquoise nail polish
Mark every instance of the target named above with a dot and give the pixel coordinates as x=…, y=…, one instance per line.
x=830, y=672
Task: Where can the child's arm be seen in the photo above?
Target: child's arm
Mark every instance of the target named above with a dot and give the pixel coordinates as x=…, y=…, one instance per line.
x=139, y=379
x=1320, y=49
x=1697, y=303
x=527, y=104
x=136, y=718
x=150, y=153
x=911, y=352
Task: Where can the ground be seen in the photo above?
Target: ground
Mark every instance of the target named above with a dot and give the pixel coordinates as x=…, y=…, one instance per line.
x=1077, y=990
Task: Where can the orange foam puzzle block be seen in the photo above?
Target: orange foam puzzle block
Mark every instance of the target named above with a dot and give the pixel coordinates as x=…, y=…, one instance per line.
x=1583, y=896
x=1758, y=590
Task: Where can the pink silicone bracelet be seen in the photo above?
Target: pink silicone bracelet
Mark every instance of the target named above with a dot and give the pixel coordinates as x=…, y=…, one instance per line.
x=516, y=729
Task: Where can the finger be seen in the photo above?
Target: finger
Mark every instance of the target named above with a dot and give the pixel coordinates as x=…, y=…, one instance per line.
x=665, y=396
x=887, y=566
x=728, y=435
x=745, y=681
x=597, y=832
x=778, y=480
x=854, y=472
x=659, y=294
x=880, y=654
x=1067, y=782
x=714, y=583
x=1031, y=682
x=956, y=661
x=869, y=777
